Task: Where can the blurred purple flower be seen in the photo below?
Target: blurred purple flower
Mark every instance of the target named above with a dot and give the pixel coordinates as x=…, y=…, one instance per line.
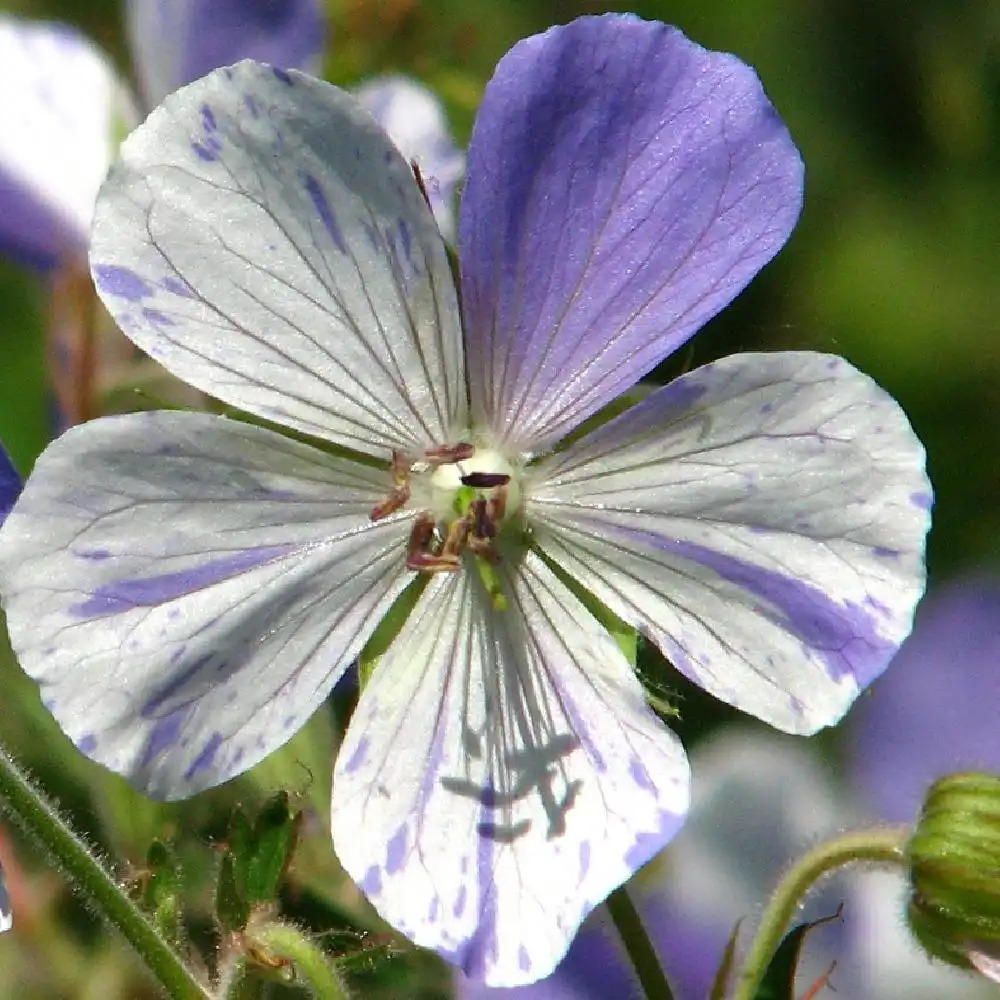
x=415, y=121
x=10, y=484
x=62, y=105
x=935, y=711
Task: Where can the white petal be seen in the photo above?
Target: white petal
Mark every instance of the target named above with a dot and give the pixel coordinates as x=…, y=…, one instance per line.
x=761, y=519
x=58, y=98
x=506, y=772
x=187, y=589
x=263, y=240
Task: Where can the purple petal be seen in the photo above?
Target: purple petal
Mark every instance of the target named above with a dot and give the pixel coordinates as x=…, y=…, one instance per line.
x=10, y=484
x=174, y=43
x=624, y=184
x=935, y=710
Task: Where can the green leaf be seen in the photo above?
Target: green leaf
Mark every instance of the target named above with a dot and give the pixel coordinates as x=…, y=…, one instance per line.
x=779, y=980
x=231, y=907
x=274, y=837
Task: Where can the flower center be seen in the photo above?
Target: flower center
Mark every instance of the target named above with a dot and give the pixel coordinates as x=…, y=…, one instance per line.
x=464, y=496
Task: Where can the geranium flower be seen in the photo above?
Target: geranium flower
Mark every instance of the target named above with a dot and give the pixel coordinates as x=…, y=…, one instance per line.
x=188, y=588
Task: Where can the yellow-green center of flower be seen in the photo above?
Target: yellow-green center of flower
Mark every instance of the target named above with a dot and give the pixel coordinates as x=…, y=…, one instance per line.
x=463, y=495
x=487, y=475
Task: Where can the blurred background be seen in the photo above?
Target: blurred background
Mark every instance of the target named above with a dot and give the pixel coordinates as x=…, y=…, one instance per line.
x=895, y=105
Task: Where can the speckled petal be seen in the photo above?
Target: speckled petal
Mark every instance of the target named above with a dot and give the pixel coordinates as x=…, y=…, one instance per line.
x=507, y=774
x=416, y=123
x=176, y=41
x=187, y=589
x=58, y=99
x=624, y=184
x=761, y=519
x=264, y=241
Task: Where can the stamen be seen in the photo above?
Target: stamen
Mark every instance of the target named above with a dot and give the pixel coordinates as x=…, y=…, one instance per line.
x=400, y=492
x=485, y=480
x=449, y=454
x=419, y=553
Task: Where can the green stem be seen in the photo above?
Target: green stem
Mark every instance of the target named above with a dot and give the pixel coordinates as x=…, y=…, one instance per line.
x=638, y=946
x=880, y=845
x=311, y=964
x=40, y=821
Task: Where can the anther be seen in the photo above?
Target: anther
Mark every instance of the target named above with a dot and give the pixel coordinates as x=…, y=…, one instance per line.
x=485, y=480
x=419, y=553
x=448, y=454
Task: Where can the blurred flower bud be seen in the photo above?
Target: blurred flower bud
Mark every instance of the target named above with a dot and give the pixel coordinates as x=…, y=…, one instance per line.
x=954, y=861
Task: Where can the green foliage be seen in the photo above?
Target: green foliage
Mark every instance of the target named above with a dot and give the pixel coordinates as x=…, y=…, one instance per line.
x=255, y=860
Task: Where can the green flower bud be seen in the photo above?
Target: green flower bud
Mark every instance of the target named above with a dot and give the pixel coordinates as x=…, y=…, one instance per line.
x=954, y=863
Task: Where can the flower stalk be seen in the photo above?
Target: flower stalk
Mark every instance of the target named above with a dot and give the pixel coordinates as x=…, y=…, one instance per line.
x=879, y=845
x=640, y=949
x=40, y=821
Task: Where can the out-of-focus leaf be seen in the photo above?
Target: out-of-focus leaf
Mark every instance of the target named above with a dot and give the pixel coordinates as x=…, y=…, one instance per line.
x=161, y=891
x=231, y=908
x=721, y=982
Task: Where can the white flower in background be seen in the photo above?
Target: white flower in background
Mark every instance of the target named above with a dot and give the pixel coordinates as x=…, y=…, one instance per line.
x=63, y=111
x=187, y=589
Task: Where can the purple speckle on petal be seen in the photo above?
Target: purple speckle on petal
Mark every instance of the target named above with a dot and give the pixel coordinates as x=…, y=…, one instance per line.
x=435, y=909
x=250, y=103
x=396, y=851
x=164, y=735
x=206, y=758
x=87, y=744
x=922, y=500
x=121, y=282
x=459, y=908
x=881, y=552
x=371, y=884
x=152, y=707
x=158, y=318
x=97, y=555
x=282, y=75
x=204, y=152
x=640, y=775
x=177, y=287
x=208, y=119
x=358, y=757
x=143, y=592
x=523, y=959
x=325, y=212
